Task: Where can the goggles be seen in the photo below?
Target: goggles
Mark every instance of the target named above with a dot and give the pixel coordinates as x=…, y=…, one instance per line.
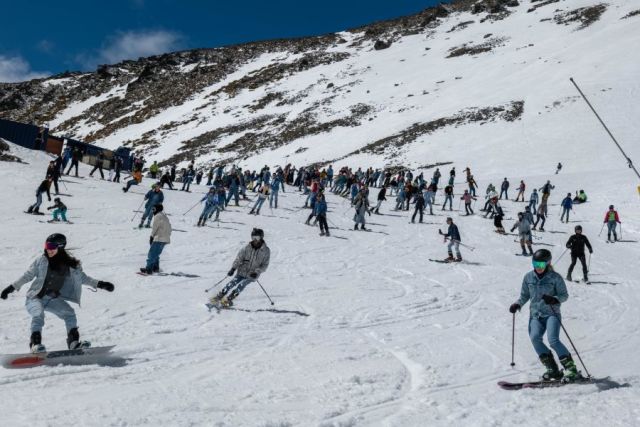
x=540, y=264
x=50, y=246
x=256, y=238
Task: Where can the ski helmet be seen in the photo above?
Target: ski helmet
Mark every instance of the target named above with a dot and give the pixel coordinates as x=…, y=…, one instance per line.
x=542, y=255
x=578, y=227
x=610, y=206
x=57, y=239
x=257, y=232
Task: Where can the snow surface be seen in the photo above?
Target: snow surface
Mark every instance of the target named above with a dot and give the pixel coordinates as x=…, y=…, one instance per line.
x=389, y=339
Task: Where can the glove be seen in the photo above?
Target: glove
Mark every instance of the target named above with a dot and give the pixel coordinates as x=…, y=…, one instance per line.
x=150, y=240
x=550, y=300
x=230, y=273
x=590, y=252
x=5, y=293
x=106, y=286
x=253, y=275
x=514, y=307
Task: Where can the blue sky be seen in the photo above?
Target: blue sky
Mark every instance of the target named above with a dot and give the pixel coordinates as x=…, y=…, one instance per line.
x=41, y=38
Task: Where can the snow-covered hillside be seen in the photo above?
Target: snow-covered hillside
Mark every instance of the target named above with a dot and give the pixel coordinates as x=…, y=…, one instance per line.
x=455, y=81
x=364, y=331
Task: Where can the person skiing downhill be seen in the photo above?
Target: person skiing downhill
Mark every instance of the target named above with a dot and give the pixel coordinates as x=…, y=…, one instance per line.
x=160, y=237
x=56, y=279
x=612, y=220
x=60, y=209
x=153, y=197
x=250, y=263
x=524, y=232
x=454, y=235
x=576, y=243
x=546, y=290
x=211, y=205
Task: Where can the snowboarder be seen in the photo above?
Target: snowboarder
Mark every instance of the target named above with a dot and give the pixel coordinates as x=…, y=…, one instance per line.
x=58, y=280
x=503, y=189
x=44, y=187
x=153, y=197
x=524, y=231
x=577, y=243
x=59, y=209
x=160, y=236
x=454, y=235
x=567, y=205
x=612, y=220
x=251, y=262
x=546, y=290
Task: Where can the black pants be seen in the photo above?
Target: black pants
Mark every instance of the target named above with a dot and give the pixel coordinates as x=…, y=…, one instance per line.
x=73, y=163
x=538, y=218
x=55, y=184
x=322, y=221
x=467, y=208
x=580, y=257
x=117, y=177
x=99, y=168
x=418, y=210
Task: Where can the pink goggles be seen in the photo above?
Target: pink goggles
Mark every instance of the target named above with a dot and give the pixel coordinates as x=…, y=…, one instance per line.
x=50, y=246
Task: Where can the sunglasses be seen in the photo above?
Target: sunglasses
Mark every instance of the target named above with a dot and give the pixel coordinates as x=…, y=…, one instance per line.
x=50, y=246
x=539, y=264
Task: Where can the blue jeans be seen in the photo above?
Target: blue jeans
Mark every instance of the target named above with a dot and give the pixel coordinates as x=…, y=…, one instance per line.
x=36, y=308
x=448, y=197
x=38, y=202
x=273, y=198
x=258, y=204
x=453, y=244
x=130, y=183
x=153, y=257
x=550, y=324
x=148, y=215
x=533, y=205
x=565, y=211
x=506, y=196
x=239, y=282
x=208, y=211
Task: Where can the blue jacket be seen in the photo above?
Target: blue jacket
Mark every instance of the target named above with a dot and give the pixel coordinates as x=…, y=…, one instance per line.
x=567, y=203
x=321, y=207
x=153, y=198
x=453, y=233
x=211, y=198
x=533, y=287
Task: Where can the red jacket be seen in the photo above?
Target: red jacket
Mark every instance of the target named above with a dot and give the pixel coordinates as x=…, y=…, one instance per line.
x=606, y=216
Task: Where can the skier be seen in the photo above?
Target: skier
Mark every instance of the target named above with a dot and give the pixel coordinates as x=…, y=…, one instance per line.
x=577, y=243
x=567, y=205
x=58, y=280
x=541, y=215
x=166, y=179
x=497, y=218
x=160, y=236
x=546, y=290
x=521, y=189
x=187, y=179
x=419, y=207
x=448, y=196
x=429, y=198
x=136, y=178
x=361, y=204
x=262, y=196
x=454, y=235
x=275, y=188
x=42, y=188
x=54, y=172
x=381, y=197
x=472, y=185
x=60, y=209
x=467, y=202
x=153, y=197
x=321, y=214
x=533, y=200
x=76, y=154
x=558, y=168
x=117, y=167
x=153, y=169
x=98, y=165
x=210, y=205
x=503, y=189
x=546, y=192
x=581, y=197
x=251, y=262
x=524, y=231
x=612, y=220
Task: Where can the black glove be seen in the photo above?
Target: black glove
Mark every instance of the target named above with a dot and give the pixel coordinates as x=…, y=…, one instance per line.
x=106, y=286
x=150, y=240
x=230, y=273
x=550, y=300
x=514, y=307
x=253, y=275
x=5, y=293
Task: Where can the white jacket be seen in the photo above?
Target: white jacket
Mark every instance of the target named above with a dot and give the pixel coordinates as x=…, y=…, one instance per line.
x=161, y=229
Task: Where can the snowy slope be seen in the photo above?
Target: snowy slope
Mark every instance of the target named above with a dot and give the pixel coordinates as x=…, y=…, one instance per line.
x=364, y=332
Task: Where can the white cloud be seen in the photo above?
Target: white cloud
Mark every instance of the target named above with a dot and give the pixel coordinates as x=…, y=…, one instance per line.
x=132, y=45
x=17, y=69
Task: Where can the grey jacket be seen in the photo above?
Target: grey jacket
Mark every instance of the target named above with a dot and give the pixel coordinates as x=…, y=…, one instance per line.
x=523, y=226
x=250, y=260
x=161, y=229
x=72, y=288
x=533, y=288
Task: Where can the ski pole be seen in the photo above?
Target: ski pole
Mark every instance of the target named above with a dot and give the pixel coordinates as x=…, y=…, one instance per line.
x=601, y=228
x=560, y=257
x=191, y=208
x=620, y=231
x=223, y=279
x=265, y=292
x=589, y=264
x=574, y=347
x=136, y=212
x=513, y=340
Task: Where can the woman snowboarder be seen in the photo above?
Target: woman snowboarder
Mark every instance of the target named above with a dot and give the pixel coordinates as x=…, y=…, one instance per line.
x=58, y=279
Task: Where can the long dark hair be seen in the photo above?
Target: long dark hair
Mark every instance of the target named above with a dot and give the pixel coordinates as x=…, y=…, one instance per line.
x=62, y=258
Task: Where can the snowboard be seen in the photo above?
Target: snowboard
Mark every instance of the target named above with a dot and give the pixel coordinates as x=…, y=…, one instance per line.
x=80, y=356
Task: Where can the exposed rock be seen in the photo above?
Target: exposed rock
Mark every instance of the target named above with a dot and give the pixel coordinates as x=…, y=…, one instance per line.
x=467, y=49
x=381, y=44
x=631, y=14
x=4, y=154
x=585, y=15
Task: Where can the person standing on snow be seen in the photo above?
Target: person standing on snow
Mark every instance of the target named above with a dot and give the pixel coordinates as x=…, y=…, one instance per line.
x=210, y=205
x=524, y=232
x=251, y=262
x=503, y=189
x=576, y=243
x=448, y=196
x=321, y=214
x=98, y=165
x=521, y=189
x=612, y=220
x=567, y=205
x=419, y=207
x=361, y=203
x=153, y=197
x=546, y=290
x=160, y=237
x=57, y=279
x=381, y=197
x=533, y=200
x=454, y=235
x=541, y=215
x=467, y=202
x=59, y=209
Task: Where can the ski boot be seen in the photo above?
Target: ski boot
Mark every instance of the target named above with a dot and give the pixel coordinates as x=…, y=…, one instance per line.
x=530, y=251
x=585, y=279
x=145, y=270
x=327, y=234
x=552, y=373
x=322, y=233
x=73, y=340
x=524, y=252
x=362, y=228
x=30, y=210
x=227, y=302
x=450, y=258
x=458, y=259
x=36, y=343
x=140, y=225
x=355, y=227
x=571, y=372
x=148, y=225
x=569, y=277
x=199, y=222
